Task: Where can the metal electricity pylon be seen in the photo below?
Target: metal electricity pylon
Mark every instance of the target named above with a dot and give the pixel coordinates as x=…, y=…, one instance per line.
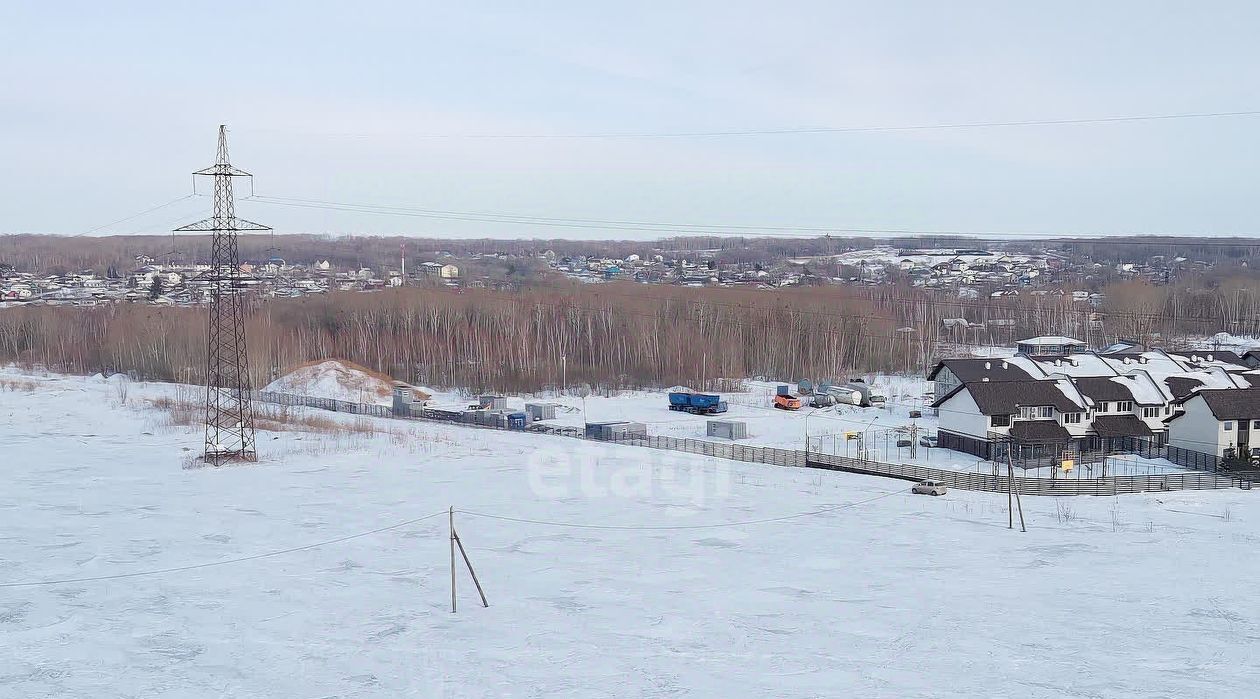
x=229, y=413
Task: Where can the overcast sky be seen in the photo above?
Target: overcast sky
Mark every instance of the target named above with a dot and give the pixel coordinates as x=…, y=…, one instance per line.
x=106, y=107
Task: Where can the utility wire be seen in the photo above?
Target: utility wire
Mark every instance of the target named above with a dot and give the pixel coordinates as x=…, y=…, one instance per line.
x=135, y=216
x=837, y=129
x=718, y=230
x=675, y=527
x=230, y=561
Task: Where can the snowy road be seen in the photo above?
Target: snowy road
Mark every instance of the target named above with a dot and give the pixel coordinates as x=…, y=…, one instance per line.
x=658, y=590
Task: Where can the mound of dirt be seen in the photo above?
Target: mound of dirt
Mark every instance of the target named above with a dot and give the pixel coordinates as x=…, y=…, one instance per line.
x=337, y=379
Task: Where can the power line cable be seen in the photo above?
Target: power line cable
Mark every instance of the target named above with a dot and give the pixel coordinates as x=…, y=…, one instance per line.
x=135, y=215
x=804, y=130
x=230, y=561
x=720, y=230
x=676, y=527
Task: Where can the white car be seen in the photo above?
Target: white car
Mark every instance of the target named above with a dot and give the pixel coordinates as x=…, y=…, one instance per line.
x=929, y=488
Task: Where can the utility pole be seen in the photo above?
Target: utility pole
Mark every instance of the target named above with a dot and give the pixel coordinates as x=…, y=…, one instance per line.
x=456, y=542
x=1010, y=486
x=229, y=413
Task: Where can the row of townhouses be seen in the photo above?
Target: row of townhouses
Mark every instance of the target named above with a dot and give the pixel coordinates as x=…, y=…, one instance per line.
x=1053, y=399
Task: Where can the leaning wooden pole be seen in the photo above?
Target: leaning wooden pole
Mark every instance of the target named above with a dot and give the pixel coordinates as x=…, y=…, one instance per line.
x=1011, y=486
x=471, y=572
x=452, y=531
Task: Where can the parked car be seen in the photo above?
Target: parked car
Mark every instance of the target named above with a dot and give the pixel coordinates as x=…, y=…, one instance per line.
x=928, y=441
x=928, y=488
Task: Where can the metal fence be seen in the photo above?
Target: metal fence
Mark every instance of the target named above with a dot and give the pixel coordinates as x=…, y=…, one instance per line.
x=1107, y=485
x=340, y=406
x=1194, y=459
x=721, y=450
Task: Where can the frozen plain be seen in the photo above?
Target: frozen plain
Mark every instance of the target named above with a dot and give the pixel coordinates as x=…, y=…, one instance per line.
x=855, y=589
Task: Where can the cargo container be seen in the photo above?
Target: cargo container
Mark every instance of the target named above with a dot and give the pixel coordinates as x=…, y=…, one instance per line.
x=541, y=411
x=492, y=403
x=615, y=430
x=728, y=429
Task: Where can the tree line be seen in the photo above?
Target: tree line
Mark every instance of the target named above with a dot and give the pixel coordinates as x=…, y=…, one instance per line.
x=612, y=335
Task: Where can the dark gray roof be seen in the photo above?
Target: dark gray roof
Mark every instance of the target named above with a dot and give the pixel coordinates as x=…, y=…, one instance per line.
x=1121, y=426
x=1232, y=403
x=1039, y=431
x=1217, y=355
x=1006, y=397
x=969, y=370
x=1103, y=388
x=1182, y=386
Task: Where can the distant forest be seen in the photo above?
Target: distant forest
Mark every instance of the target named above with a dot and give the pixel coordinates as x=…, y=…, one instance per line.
x=616, y=335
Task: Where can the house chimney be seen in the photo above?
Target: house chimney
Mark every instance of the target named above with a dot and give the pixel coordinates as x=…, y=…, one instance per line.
x=988, y=365
x=1005, y=365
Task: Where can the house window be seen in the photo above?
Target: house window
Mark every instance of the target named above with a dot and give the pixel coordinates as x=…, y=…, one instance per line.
x=1228, y=425
x=1047, y=412
x=1150, y=412
x=1000, y=421
x=1125, y=406
x=1071, y=418
x=1167, y=409
x=1104, y=407
x=1255, y=425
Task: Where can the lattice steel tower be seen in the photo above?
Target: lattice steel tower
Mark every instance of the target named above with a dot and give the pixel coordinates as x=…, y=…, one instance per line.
x=229, y=413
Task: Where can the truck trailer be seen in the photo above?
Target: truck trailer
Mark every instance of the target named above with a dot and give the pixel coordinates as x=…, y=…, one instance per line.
x=697, y=403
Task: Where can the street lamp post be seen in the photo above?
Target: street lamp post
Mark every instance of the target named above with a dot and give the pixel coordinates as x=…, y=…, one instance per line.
x=865, y=431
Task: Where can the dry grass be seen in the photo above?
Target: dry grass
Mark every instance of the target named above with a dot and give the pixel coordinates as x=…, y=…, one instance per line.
x=26, y=385
x=187, y=408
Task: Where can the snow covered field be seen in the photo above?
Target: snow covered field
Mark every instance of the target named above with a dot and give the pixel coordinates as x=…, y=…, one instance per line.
x=659, y=574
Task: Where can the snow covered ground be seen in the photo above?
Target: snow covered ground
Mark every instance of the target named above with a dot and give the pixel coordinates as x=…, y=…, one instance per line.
x=659, y=574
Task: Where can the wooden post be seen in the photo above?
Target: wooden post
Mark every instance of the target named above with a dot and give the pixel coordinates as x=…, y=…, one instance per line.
x=471, y=572
x=1010, y=486
x=1010, y=504
x=452, y=530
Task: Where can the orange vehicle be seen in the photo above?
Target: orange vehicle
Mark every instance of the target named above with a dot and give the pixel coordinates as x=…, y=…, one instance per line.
x=787, y=402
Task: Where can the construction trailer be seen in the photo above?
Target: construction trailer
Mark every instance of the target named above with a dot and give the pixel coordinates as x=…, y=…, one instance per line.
x=493, y=403
x=611, y=431
x=541, y=411
x=728, y=429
